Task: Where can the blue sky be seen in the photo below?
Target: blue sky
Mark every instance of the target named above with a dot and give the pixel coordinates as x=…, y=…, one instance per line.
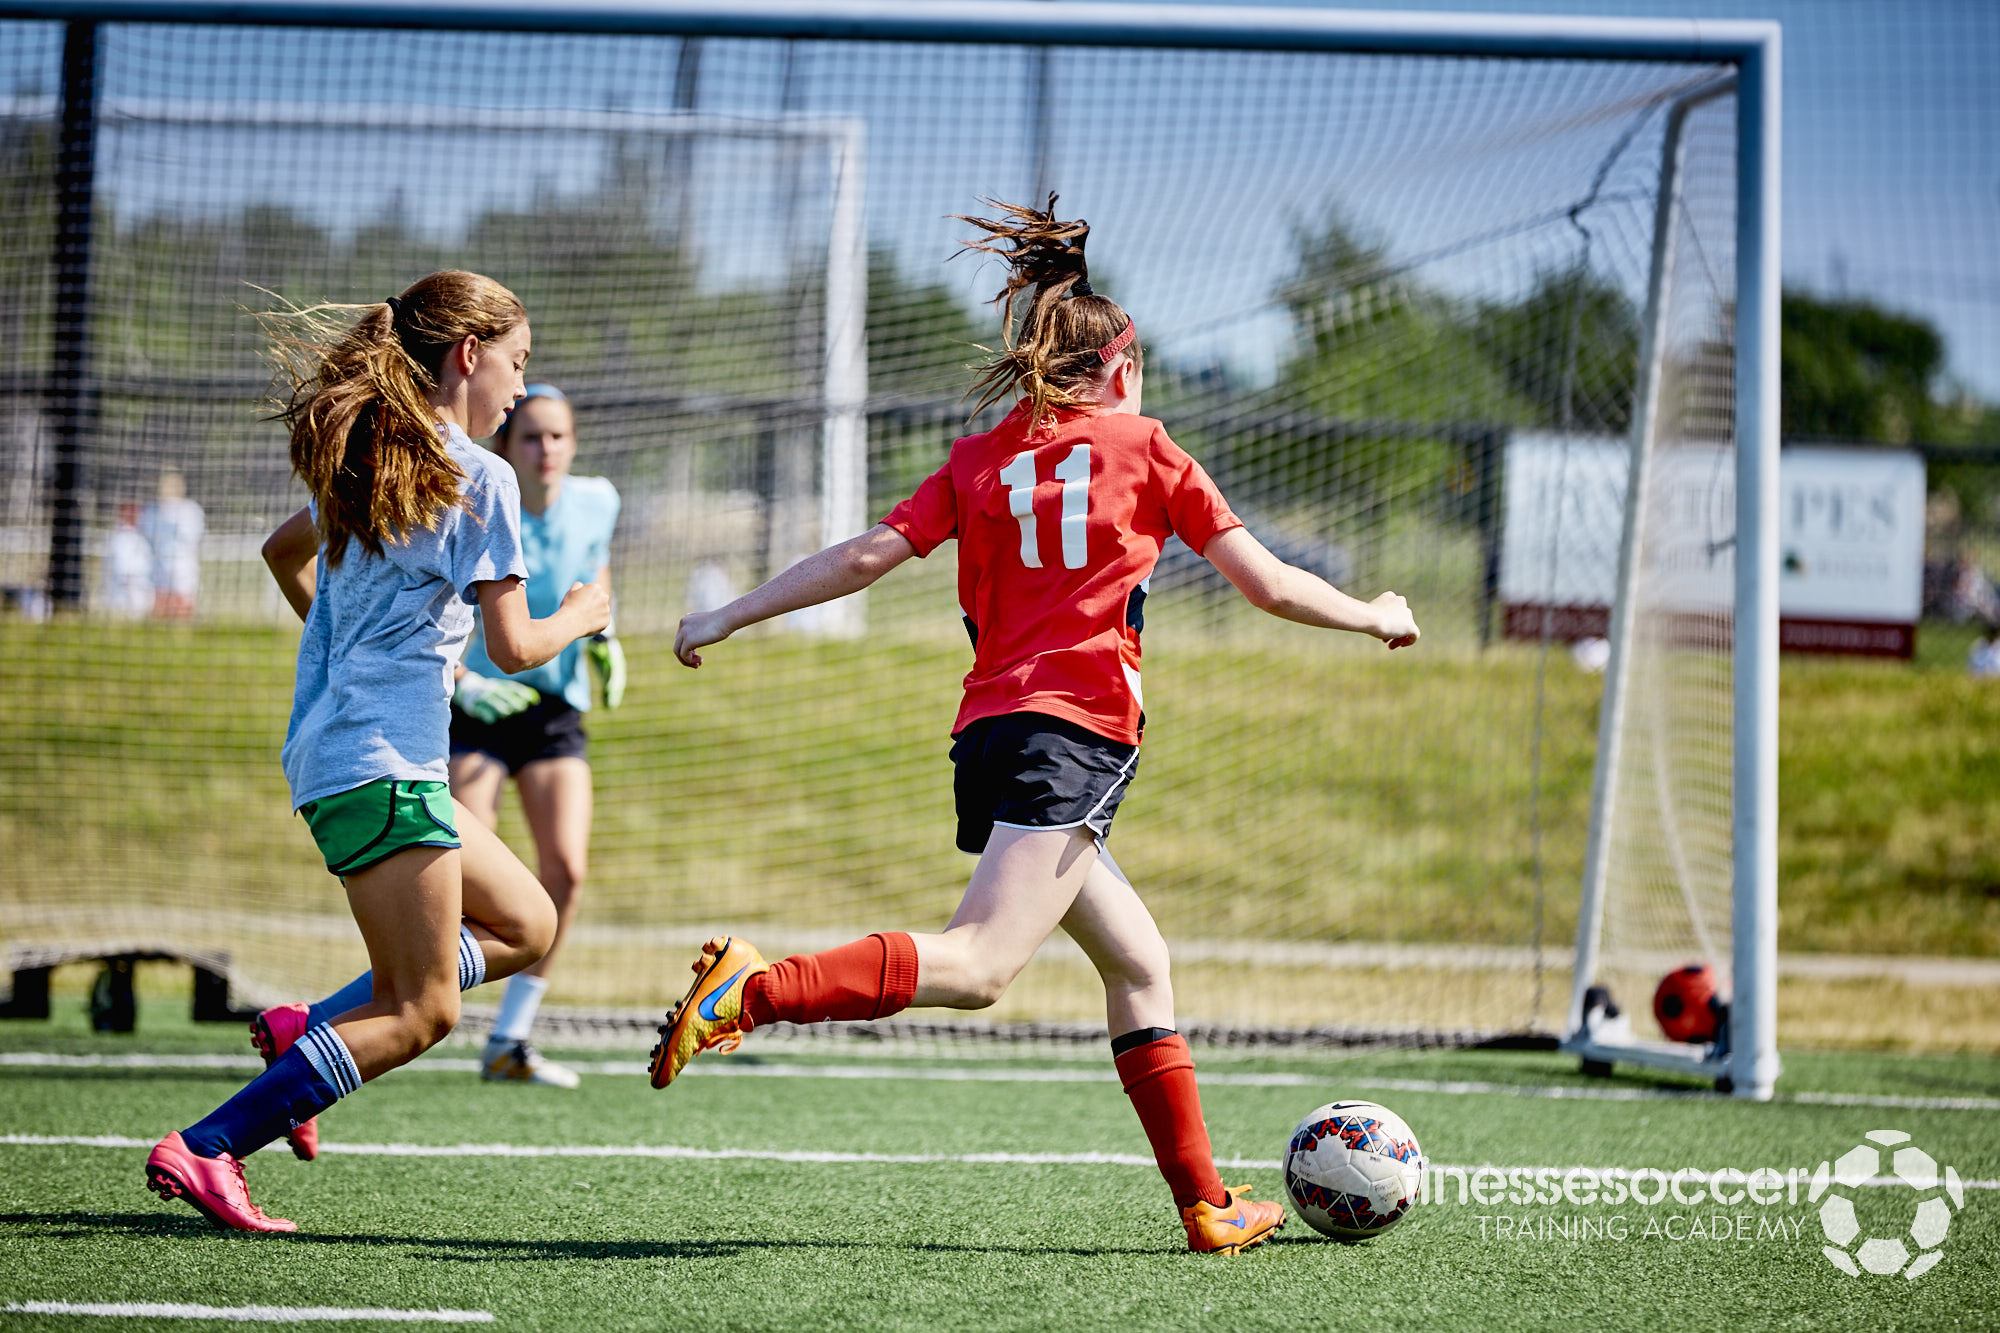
x=1892, y=153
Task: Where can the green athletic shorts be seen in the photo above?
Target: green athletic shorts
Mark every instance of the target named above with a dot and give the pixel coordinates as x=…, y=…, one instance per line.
x=359, y=828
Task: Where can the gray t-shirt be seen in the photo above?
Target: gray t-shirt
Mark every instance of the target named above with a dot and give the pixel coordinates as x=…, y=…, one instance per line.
x=385, y=633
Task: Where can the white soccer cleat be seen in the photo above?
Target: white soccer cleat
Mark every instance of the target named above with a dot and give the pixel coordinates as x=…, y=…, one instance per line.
x=518, y=1062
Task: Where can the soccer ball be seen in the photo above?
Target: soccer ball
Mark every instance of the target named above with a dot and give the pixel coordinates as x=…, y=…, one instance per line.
x=1353, y=1169
x=1686, y=1003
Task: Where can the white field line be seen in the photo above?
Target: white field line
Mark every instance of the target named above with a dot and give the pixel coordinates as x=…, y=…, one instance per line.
x=1222, y=1079
x=675, y=1152
x=667, y=1152
x=46, y=1060
x=1895, y=1103
x=247, y=1314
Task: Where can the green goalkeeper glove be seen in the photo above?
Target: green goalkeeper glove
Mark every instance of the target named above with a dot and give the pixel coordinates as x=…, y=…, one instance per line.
x=607, y=663
x=485, y=699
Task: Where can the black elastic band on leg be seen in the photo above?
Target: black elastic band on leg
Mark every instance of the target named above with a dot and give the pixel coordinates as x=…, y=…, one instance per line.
x=1132, y=1041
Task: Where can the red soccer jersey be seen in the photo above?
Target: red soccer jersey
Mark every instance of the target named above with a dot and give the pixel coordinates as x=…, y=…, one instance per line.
x=1057, y=536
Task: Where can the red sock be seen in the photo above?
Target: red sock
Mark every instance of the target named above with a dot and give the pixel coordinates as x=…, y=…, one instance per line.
x=869, y=978
x=1159, y=1078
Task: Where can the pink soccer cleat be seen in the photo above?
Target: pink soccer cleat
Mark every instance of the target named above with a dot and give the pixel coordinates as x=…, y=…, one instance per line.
x=214, y=1185
x=273, y=1032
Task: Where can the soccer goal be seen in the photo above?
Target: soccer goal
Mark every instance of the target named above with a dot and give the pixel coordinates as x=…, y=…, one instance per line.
x=1479, y=309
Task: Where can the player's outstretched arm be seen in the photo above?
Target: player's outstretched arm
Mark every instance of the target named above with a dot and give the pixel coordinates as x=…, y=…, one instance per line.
x=516, y=641
x=292, y=553
x=843, y=568
x=1290, y=593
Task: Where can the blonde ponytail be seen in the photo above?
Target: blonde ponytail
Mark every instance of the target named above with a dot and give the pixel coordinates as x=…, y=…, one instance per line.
x=365, y=437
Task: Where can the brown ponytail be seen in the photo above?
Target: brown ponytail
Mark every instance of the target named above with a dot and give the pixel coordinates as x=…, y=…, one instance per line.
x=365, y=436
x=1065, y=325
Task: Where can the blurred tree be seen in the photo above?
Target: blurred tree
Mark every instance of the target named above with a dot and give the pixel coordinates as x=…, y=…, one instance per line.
x=1381, y=352
x=1571, y=346
x=922, y=343
x=922, y=340
x=1854, y=371
x=1375, y=343
x=1851, y=370
x=27, y=215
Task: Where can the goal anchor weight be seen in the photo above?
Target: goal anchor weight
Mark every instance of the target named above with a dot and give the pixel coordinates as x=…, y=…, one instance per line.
x=113, y=1003
x=1606, y=1033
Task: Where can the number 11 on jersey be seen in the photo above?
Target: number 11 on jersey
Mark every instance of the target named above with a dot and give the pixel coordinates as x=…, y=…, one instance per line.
x=1074, y=473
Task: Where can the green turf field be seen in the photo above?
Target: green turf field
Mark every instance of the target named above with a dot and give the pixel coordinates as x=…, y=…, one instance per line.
x=711, y=1240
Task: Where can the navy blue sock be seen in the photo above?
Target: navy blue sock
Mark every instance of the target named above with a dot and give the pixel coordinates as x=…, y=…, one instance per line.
x=313, y=1075
x=351, y=996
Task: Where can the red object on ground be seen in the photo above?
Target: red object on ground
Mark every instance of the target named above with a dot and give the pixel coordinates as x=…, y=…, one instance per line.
x=1684, y=1003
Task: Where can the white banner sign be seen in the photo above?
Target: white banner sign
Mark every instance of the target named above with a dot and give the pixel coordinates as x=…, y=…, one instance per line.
x=1851, y=537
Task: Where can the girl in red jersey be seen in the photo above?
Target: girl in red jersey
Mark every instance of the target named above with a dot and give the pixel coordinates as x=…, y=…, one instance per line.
x=1060, y=512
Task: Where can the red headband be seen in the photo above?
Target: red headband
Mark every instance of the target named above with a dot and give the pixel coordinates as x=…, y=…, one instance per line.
x=1120, y=343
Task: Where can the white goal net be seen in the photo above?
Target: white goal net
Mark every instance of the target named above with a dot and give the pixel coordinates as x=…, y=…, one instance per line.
x=1376, y=292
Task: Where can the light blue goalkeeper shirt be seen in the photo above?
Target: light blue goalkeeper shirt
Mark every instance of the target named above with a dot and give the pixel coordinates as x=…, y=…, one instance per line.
x=384, y=636
x=569, y=542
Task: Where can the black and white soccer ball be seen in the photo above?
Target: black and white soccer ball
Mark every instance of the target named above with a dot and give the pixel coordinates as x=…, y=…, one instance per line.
x=1353, y=1169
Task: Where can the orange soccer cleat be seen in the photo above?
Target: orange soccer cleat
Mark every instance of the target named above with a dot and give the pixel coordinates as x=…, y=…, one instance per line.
x=214, y=1185
x=710, y=1016
x=274, y=1032
x=1233, y=1228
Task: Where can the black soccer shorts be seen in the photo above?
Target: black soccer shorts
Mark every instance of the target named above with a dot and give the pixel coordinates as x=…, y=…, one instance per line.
x=551, y=729
x=1033, y=771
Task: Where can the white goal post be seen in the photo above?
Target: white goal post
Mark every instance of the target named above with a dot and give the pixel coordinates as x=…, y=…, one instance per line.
x=1748, y=1058
x=1753, y=950
x=842, y=500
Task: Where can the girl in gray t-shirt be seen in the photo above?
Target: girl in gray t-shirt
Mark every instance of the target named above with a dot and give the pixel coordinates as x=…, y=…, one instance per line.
x=411, y=527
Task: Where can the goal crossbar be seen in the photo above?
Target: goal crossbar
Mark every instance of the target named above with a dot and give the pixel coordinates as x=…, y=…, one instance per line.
x=1018, y=22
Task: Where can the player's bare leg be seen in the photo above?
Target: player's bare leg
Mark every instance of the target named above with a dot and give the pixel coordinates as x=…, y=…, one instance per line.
x=477, y=780
x=504, y=904
x=410, y=908
x=1110, y=923
x=557, y=799
x=1024, y=884
x=1116, y=932
x=1025, y=881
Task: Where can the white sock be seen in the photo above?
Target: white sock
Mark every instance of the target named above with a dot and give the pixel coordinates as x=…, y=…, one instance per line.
x=471, y=960
x=330, y=1058
x=517, y=1009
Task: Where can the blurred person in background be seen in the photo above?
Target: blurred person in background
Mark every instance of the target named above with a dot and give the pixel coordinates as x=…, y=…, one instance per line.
x=1985, y=656
x=173, y=526
x=127, y=573
x=1973, y=596
x=529, y=726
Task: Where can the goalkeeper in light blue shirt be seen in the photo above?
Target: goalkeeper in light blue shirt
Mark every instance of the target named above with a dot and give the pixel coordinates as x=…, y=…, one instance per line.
x=529, y=726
